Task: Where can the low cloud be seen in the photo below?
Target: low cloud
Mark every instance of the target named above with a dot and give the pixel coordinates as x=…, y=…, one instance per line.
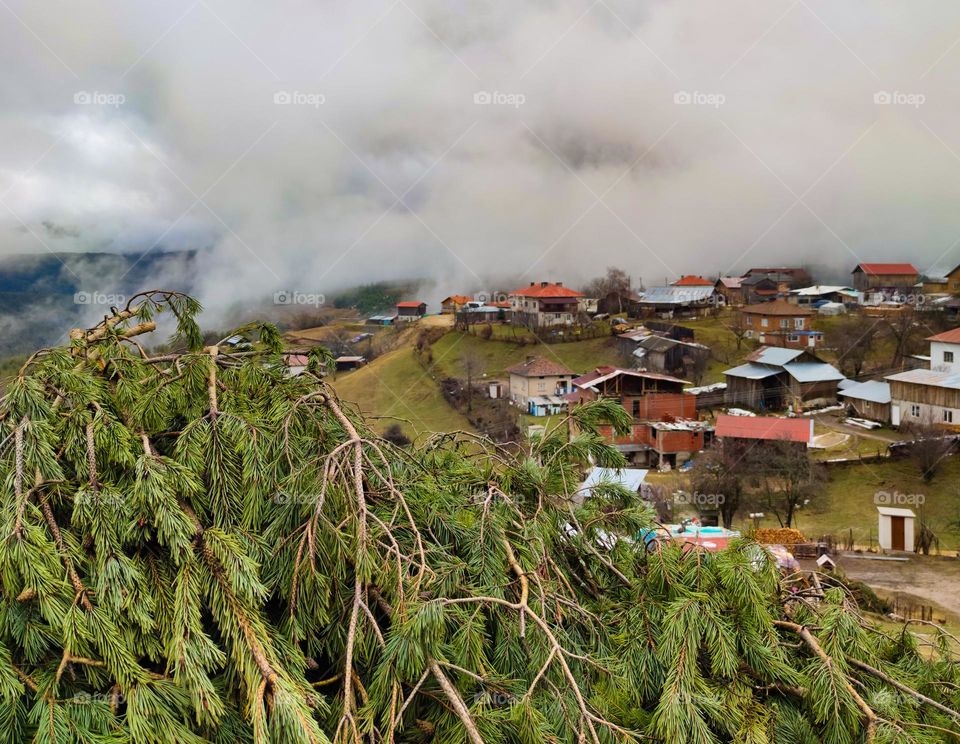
x=312, y=147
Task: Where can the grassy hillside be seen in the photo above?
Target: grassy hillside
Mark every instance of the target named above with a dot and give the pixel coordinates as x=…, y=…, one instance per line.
x=496, y=356
x=396, y=387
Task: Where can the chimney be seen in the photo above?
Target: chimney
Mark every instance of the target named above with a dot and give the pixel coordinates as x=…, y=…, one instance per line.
x=533, y=284
x=544, y=284
x=559, y=284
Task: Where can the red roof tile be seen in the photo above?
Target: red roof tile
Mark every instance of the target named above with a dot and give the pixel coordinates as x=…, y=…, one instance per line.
x=411, y=303
x=546, y=290
x=949, y=337
x=692, y=281
x=765, y=427
x=887, y=269
x=539, y=367
x=457, y=299
x=776, y=307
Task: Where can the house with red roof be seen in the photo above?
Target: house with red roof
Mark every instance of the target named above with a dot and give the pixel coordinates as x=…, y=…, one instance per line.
x=884, y=276
x=451, y=305
x=411, y=310
x=543, y=304
x=691, y=280
x=945, y=351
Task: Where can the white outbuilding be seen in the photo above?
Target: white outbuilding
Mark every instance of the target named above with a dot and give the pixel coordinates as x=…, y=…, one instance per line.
x=896, y=528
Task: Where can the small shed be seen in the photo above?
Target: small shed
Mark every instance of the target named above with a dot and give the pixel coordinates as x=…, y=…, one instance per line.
x=896, y=528
x=870, y=399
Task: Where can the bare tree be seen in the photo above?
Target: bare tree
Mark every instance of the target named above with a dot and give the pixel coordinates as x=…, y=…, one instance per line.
x=739, y=328
x=929, y=447
x=907, y=333
x=719, y=472
x=472, y=367
x=788, y=477
x=616, y=281
x=853, y=336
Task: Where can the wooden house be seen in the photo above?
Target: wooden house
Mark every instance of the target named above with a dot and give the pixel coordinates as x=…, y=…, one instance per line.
x=869, y=400
x=412, y=310
x=775, y=378
x=729, y=287
x=884, y=276
x=452, y=304
x=948, y=283
x=545, y=304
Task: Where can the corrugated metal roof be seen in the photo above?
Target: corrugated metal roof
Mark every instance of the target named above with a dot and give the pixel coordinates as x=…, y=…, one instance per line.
x=875, y=391
x=606, y=373
x=629, y=478
x=928, y=377
x=752, y=371
x=775, y=355
x=813, y=372
x=820, y=289
x=676, y=295
x=765, y=427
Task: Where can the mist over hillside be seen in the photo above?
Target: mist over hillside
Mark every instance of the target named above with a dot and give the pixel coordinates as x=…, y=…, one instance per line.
x=320, y=147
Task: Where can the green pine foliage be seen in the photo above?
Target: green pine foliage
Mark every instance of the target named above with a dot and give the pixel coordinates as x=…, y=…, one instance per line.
x=197, y=547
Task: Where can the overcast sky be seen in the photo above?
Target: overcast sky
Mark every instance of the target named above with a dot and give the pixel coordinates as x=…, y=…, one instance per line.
x=312, y=145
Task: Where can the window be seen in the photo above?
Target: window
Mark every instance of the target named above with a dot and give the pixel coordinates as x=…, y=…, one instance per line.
x=947, y=416
x=636, y=409
x=793, y=337
x=784, y=323
x=764, y=322
x=798, y=323
x=915, y=410
x=948, y=356
x=748, y=334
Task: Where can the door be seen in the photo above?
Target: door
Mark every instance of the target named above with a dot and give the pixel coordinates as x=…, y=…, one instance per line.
x=896, y=533
x=895, y=414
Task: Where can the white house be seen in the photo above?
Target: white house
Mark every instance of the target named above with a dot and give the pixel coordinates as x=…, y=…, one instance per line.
x=896, y=528
x=930, y=396
x=945, y=351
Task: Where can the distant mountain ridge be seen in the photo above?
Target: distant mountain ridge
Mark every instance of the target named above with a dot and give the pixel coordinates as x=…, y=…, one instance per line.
x=42, y=295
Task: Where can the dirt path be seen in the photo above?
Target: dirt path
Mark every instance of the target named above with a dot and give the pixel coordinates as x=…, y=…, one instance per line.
x=831, y=422
x=924, y=577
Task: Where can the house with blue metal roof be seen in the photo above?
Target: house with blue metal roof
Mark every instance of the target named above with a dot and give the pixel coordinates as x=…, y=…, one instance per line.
x=774, y=378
